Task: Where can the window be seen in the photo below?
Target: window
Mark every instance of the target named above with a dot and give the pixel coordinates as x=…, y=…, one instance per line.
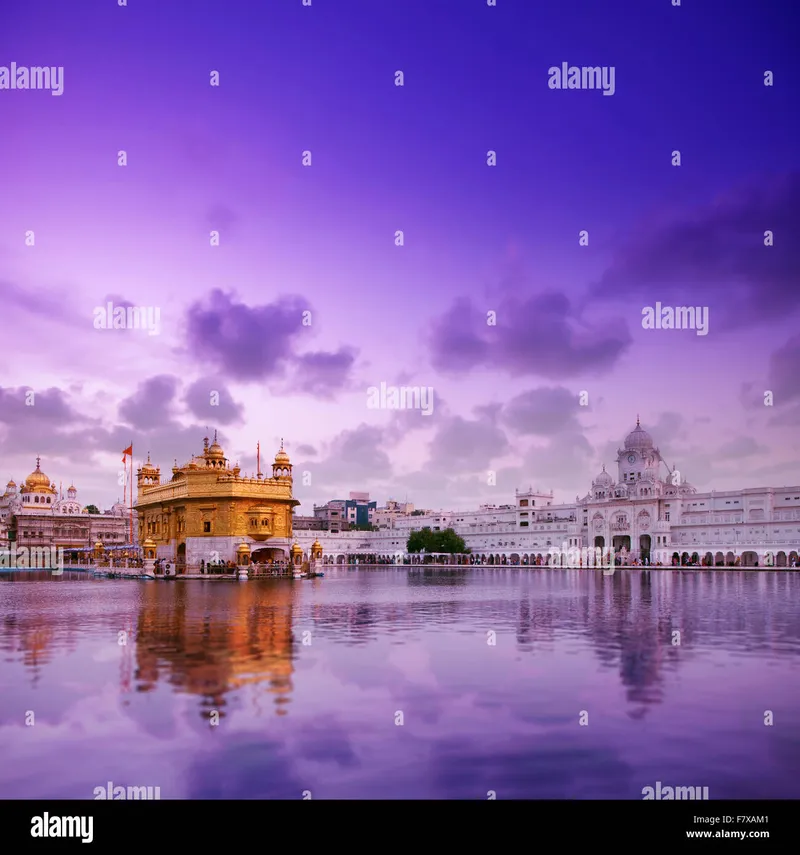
x=206, y=527
x=523, y=503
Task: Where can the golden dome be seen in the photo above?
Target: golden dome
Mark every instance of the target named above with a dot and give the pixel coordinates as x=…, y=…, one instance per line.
x=296, y=549
x=11, y=483
x=37, y=478
x=281, y=458
x=243, y=547
x=316, y=545
x=214, y=450
x=148, y=466
x=149, y=543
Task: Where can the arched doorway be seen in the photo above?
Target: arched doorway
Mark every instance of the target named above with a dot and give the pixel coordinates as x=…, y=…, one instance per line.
x=181, y=559
x=644, y=547
x=622, y=541
x=780, y=560
x=600, y=541
x=749, y=559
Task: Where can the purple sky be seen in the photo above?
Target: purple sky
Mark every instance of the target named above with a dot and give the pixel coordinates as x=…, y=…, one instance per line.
x=478, y=239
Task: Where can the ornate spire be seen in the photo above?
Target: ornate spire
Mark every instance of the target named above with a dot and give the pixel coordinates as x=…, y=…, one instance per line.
x=215, y=435
x=38, y=461
x=281, y=443
x=637, y=419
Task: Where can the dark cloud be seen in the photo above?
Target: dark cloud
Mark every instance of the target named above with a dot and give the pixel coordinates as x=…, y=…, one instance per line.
x=151, y=406
x=356, y=457
x=49, y=406
x=404, y=422
x=537, y=336
x=306, y=450
x=52, y=428
x=466, y=445
x=323, y=374
x=739, y=448
x=564, y=463
x=716, y=256
x=199, y=400
x=543, y=411
x=784, y=371
x=250, y=343
x=246, y=342
x=51, y=305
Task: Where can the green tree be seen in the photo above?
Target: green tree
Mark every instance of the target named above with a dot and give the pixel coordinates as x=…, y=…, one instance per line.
x=446, y=541
x=92, y=509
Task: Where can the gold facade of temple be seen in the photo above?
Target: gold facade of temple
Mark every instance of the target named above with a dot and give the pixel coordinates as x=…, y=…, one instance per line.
x=208, y=509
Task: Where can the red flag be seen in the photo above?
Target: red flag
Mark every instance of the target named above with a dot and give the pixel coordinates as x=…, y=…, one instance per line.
x=128, y=451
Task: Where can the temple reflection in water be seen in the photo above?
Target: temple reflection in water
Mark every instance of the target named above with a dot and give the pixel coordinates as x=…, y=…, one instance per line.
x=214, y=639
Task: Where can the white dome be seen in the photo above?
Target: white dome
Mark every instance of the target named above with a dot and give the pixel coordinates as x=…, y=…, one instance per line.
x=638, y=439
x=604, y=479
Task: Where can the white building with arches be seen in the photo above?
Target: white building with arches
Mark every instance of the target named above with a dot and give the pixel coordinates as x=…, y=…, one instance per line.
x=647, y=512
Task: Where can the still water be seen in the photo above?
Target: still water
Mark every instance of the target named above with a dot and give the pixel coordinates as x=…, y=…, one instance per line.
x=394, y=684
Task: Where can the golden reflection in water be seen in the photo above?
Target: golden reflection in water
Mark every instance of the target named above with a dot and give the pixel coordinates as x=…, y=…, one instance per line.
x=209, y=641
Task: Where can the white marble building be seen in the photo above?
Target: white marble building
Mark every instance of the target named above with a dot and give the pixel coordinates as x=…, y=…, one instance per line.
x=647, y=511
x=40, y=514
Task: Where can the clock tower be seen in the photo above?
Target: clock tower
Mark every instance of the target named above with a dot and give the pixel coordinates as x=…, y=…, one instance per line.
x=637, y=456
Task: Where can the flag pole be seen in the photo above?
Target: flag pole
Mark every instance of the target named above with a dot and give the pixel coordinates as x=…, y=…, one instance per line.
x=131, y=504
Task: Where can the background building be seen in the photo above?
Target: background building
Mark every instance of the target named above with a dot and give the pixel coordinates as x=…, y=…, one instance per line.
x=37, y=514
x=649, y=511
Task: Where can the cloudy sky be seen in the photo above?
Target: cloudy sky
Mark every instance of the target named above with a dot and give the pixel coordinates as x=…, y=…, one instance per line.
x=308, y=301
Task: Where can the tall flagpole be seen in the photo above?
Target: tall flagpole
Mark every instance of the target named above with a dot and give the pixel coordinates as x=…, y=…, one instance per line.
x=131, y=505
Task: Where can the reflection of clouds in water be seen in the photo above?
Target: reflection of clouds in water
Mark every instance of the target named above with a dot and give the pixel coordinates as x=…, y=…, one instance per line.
x=246, y=767
x=414, y=663
x=94, y=742
x=521, y=767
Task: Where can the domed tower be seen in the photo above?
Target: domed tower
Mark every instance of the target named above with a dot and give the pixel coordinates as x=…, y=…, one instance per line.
x=633, y=459
x=70, y=505
x=282, y=467
x=148, y=475
x=38, y=493
x=214, y=455
x=602, y=485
